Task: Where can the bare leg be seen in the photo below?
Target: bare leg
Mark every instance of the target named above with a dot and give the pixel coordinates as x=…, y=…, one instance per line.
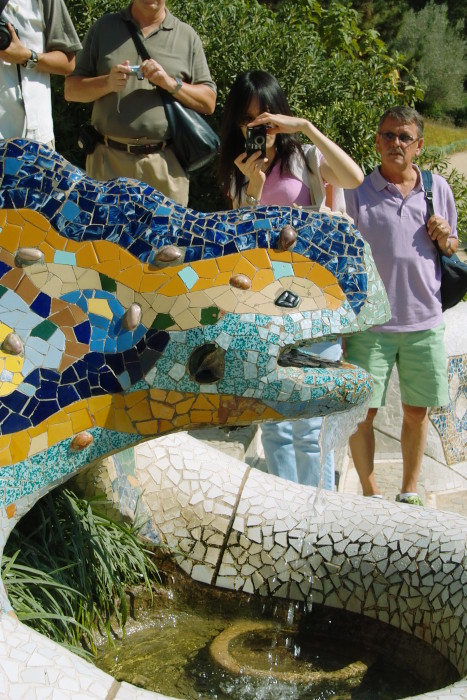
x=413, y=441
x=362, y=448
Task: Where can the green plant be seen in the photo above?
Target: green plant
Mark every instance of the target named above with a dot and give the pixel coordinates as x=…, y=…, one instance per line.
x=67, y=565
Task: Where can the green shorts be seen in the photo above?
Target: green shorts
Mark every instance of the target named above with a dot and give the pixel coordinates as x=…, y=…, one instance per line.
x=421, y=362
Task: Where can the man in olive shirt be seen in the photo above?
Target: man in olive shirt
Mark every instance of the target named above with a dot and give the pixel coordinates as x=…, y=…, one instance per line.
x=128, y=112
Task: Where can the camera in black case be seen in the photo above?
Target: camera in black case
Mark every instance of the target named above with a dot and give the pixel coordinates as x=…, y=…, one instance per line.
x=88, y=137
x=5, y=34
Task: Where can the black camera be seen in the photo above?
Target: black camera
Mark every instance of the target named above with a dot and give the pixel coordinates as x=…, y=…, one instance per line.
x=5, y=34
x=255, y=140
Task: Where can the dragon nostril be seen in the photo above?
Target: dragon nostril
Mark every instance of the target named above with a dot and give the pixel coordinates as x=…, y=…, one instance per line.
x=287, y=299
x=207, y=364
x=287, y=237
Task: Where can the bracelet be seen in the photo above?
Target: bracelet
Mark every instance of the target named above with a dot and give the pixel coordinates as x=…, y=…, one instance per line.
x=251, y=201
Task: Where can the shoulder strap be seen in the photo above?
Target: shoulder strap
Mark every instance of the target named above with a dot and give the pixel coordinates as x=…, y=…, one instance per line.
x=143, y=52
x=427, y=178
x=140, y=47
x=3, y=4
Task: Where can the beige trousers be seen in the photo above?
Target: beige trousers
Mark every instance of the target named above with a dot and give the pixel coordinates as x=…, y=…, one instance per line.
x=160, y=170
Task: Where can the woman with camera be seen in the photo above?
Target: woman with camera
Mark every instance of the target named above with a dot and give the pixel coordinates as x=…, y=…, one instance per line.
x=274, y=168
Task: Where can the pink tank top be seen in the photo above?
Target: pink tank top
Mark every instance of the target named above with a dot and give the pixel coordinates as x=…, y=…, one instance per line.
x=284, y=190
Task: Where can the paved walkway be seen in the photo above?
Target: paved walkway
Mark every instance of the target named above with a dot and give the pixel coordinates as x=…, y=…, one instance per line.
x=459, y=162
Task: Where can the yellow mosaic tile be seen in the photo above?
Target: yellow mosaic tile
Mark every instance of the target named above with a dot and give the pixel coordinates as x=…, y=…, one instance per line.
x=35, y=218
x=158, y=395
x=11, y=512
x=258, y=257
x=262, y=279
x=39, y=443
x=10, y=236
x=207, y=269
x=80, y=419
x=185, y=406
x=140, y=411
x=86, y=256
x=162, y=411
x=59, y=432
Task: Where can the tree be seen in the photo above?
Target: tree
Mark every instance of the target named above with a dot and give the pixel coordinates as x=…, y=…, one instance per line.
x=437, y=53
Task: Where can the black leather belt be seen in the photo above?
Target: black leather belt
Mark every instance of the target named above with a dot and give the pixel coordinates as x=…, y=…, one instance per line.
x=135, y=149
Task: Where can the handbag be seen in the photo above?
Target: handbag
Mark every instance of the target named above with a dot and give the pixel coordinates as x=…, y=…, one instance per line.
x=194, y=142
x=453, y=270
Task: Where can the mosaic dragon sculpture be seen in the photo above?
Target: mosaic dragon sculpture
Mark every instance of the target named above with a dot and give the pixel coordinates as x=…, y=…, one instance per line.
x=124, y=316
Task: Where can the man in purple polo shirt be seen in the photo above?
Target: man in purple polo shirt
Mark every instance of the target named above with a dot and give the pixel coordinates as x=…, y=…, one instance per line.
x=390, y=211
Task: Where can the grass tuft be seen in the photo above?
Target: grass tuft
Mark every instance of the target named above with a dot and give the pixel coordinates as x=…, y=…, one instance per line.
x=67, y=565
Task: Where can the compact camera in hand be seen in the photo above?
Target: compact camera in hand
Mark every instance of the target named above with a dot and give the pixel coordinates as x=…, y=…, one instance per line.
x=255, y=140
x=136, y=70
x=5, y=34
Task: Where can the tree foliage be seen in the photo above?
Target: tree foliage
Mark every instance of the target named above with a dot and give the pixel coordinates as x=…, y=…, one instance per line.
x=435, y=49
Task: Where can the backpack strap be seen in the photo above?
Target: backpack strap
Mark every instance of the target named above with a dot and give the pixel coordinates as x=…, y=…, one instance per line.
x=427, y=178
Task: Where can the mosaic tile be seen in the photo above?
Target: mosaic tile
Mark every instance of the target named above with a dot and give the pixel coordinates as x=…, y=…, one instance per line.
x=451, y=420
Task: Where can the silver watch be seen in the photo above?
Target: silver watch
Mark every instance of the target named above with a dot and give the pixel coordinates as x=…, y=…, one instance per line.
x=178, y=85
x=31, y=63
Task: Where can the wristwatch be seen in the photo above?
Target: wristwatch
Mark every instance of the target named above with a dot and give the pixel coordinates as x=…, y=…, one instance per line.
x=251, y=201
x=31, y=63
x=178, y=85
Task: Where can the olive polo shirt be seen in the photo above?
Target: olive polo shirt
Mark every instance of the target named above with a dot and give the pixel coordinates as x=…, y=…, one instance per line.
x=139, y=113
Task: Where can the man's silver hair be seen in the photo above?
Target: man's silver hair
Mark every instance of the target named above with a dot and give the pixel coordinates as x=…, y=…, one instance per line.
x=404, y=115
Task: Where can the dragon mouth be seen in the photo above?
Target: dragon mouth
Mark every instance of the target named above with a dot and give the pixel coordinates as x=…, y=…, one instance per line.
x=294, y=357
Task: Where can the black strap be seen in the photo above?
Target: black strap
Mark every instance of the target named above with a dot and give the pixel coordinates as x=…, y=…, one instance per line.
x=143, y=52
x=140, y=47
x=3, y=4
x=427, y=178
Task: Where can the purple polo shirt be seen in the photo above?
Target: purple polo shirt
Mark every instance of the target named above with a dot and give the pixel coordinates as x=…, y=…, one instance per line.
x=405, y=255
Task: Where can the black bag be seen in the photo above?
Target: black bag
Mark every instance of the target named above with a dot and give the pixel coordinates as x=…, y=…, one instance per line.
x=194, y=142
x=453, y=270
x=88, y=137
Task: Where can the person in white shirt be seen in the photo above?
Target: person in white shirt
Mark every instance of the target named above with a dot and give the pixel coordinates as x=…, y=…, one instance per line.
x=42, y=40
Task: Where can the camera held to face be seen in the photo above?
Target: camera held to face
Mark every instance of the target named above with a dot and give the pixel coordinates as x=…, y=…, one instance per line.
x=136, y=70
x=255, y=140
x=5, y=34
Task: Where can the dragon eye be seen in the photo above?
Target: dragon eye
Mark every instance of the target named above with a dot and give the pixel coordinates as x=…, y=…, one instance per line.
x=288, y=300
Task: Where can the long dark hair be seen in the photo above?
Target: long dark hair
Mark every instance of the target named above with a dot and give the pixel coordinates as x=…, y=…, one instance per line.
x=271, y=97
